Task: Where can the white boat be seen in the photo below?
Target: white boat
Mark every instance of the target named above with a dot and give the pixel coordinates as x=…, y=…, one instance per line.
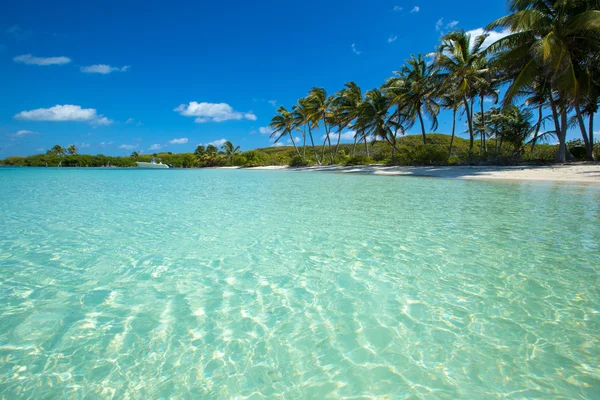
x=152, y=164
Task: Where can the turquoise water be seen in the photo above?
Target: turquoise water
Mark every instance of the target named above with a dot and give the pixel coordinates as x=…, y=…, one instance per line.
x=189, y=284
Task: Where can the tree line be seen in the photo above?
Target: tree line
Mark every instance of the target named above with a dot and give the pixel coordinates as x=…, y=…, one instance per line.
x=548, y=65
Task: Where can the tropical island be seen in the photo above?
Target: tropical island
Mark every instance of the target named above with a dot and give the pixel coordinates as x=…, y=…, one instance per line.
x=548, y=70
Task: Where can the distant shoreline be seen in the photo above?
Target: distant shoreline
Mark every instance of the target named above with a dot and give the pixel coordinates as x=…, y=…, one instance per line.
x=574, y=173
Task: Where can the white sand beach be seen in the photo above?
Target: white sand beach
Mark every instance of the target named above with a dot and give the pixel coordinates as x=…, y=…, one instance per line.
x=575, y=173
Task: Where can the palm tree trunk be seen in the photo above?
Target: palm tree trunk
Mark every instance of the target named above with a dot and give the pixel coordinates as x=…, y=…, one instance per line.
x=591, y=130
x=294, y=144
x=453, y=130
x=470, y=123
x=422, y=125
x=304, y=144
x=537, y=129
x=561, y=156
x=337, y=146
x=367, y=145
x=312, y=142
x=589, y=154
x=354, y=146
x=483, y=124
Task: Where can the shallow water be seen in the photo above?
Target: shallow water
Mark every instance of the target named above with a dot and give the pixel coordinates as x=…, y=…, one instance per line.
x=228, y=283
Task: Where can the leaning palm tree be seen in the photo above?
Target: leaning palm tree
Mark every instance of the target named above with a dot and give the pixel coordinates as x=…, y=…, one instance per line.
x=555, y=39
x=283, y=125
x=72, y=150
x=413, y=89
x=459, y=59
x=347, y=105
x=375, y=119
x=302, y=118
x=230, y=151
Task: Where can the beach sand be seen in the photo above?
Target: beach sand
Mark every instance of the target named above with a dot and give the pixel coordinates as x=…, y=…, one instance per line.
x=575, y=173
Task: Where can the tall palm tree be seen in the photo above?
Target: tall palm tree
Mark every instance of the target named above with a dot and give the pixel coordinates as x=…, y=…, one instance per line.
x=319, y=110
x=553, y=39
x=135, y=154
x=347, y=105
x=302, y=118
x=375, y=119
x=72, y=149
x=230, y=150
x=283, y=125
x=459, y=58
x=413, y=89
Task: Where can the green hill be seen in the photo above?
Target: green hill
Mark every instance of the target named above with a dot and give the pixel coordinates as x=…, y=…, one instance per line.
x=411, y=151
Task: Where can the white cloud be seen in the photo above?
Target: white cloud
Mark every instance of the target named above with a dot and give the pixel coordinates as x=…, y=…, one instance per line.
x=278, y=144
x=84, y=145
x=494, y=36
x=265, y=130
x=212, y=112
x=104, y=144
x=398, y=8
x=22, y=133
x=273, y=103
x=40, y=149
x=179, y=141
x=155, y=146
x=358, y=53
x=443, y=28
x=415, y=9
x=216, y=143
x=129, y=121
x=29, y=59
x=102, y=69
x=392, y=39
x=63, y=113
x=128, y=146
x=346, y=136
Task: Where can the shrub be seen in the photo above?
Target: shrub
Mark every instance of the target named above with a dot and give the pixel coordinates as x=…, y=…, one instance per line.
x=454, y=160
x=298, y=162
x=578, y=152
x=359, y=160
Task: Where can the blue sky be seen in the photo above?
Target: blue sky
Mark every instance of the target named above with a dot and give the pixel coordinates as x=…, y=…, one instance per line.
x=113, y=77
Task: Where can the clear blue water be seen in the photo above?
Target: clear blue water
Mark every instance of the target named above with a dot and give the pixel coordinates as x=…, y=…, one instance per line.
x=263, y=284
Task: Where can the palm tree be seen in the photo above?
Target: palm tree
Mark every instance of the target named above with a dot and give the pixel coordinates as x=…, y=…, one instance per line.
x=319, y=110
x=554, y=39
x=375, y=120
x=57, y=150
x=135, y=154
x=413, y=89
x=301, y=116
x=230, y=150
x=459, y=59
x=347, y=105
x=72, y=150
x=283, y=125
x=212, y=150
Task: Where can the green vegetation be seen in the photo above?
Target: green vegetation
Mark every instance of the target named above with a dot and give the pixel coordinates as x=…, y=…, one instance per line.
x=409, y=150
